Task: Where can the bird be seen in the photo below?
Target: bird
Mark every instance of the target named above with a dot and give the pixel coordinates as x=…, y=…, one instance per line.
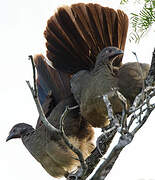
x=106, y=79
x=76, y=36
x=80, y=39
x=48, y=147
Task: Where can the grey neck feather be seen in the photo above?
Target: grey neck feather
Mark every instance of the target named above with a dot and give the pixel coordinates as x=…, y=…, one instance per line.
x=102, y=64
x=28, y=130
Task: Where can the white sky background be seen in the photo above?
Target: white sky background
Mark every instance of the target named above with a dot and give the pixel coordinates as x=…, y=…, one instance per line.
x=21, y=34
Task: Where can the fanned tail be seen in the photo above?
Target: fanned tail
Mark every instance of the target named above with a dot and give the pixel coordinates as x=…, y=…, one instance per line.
x=76, y=34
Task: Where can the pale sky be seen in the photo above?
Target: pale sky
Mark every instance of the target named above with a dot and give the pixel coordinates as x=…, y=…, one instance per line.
x=21, y=34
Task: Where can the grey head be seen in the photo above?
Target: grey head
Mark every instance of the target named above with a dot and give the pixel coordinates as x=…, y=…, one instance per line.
x=108, y=55
x=19, y=130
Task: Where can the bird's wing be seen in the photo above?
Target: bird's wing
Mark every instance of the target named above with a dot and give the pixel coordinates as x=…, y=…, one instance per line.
x=76, y=34
x=53, y=85
x=78, y=82
x=51, y=81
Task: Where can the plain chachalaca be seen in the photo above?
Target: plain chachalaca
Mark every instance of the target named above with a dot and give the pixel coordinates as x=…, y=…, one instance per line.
x=78, y=34
x=89, y=87
x=46, y=146
x=75, y=36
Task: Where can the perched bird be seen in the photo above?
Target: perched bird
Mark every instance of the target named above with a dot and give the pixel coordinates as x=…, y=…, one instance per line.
x=89, y=87
x=80, y=41
x=75, y=36
x=131, y=79
x=46, y=146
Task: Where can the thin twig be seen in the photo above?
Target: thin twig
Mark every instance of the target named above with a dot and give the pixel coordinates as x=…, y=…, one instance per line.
x=34, y=76
x=73, y=148
x=146, y=116
x=40, y=110
x=141, y=72
x=138, y=99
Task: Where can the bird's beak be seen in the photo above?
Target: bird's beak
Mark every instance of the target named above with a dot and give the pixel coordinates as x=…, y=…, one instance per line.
x=116, y=53
x=11, y=136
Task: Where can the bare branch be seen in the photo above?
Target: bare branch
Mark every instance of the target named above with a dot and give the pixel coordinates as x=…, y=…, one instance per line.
x=125, y=138
x=34, y=76
x=108, y=163
x=141, y=72
x=40, y=110
x=74, y=149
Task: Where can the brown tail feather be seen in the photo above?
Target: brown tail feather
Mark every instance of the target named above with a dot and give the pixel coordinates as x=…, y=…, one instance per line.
x=76, y=34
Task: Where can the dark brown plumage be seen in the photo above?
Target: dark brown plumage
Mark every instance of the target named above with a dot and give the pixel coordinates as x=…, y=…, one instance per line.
x=75, y=35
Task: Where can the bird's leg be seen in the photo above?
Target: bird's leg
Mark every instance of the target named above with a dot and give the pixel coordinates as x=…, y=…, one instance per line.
x=109, y=131
x=117, y=123
x=124, y=112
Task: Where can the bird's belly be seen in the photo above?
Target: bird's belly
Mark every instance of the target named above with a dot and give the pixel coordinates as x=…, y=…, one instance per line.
x=60, y=159
x=94, y=109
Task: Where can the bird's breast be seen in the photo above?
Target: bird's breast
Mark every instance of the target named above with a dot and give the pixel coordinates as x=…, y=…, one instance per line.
x=92, y=104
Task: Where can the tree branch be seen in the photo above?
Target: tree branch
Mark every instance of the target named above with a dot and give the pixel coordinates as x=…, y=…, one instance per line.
x=74, y=149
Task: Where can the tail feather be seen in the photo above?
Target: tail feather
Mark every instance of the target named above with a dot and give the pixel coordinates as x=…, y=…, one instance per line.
x=76, y=34
x=122, y=28
x=61, y=43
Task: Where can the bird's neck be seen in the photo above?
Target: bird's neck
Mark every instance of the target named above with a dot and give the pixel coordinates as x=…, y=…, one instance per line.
x=101, y=66
x=28, y=131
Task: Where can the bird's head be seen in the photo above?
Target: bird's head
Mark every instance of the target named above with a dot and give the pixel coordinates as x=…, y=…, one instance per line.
x=108, y=55
x=19, y=130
